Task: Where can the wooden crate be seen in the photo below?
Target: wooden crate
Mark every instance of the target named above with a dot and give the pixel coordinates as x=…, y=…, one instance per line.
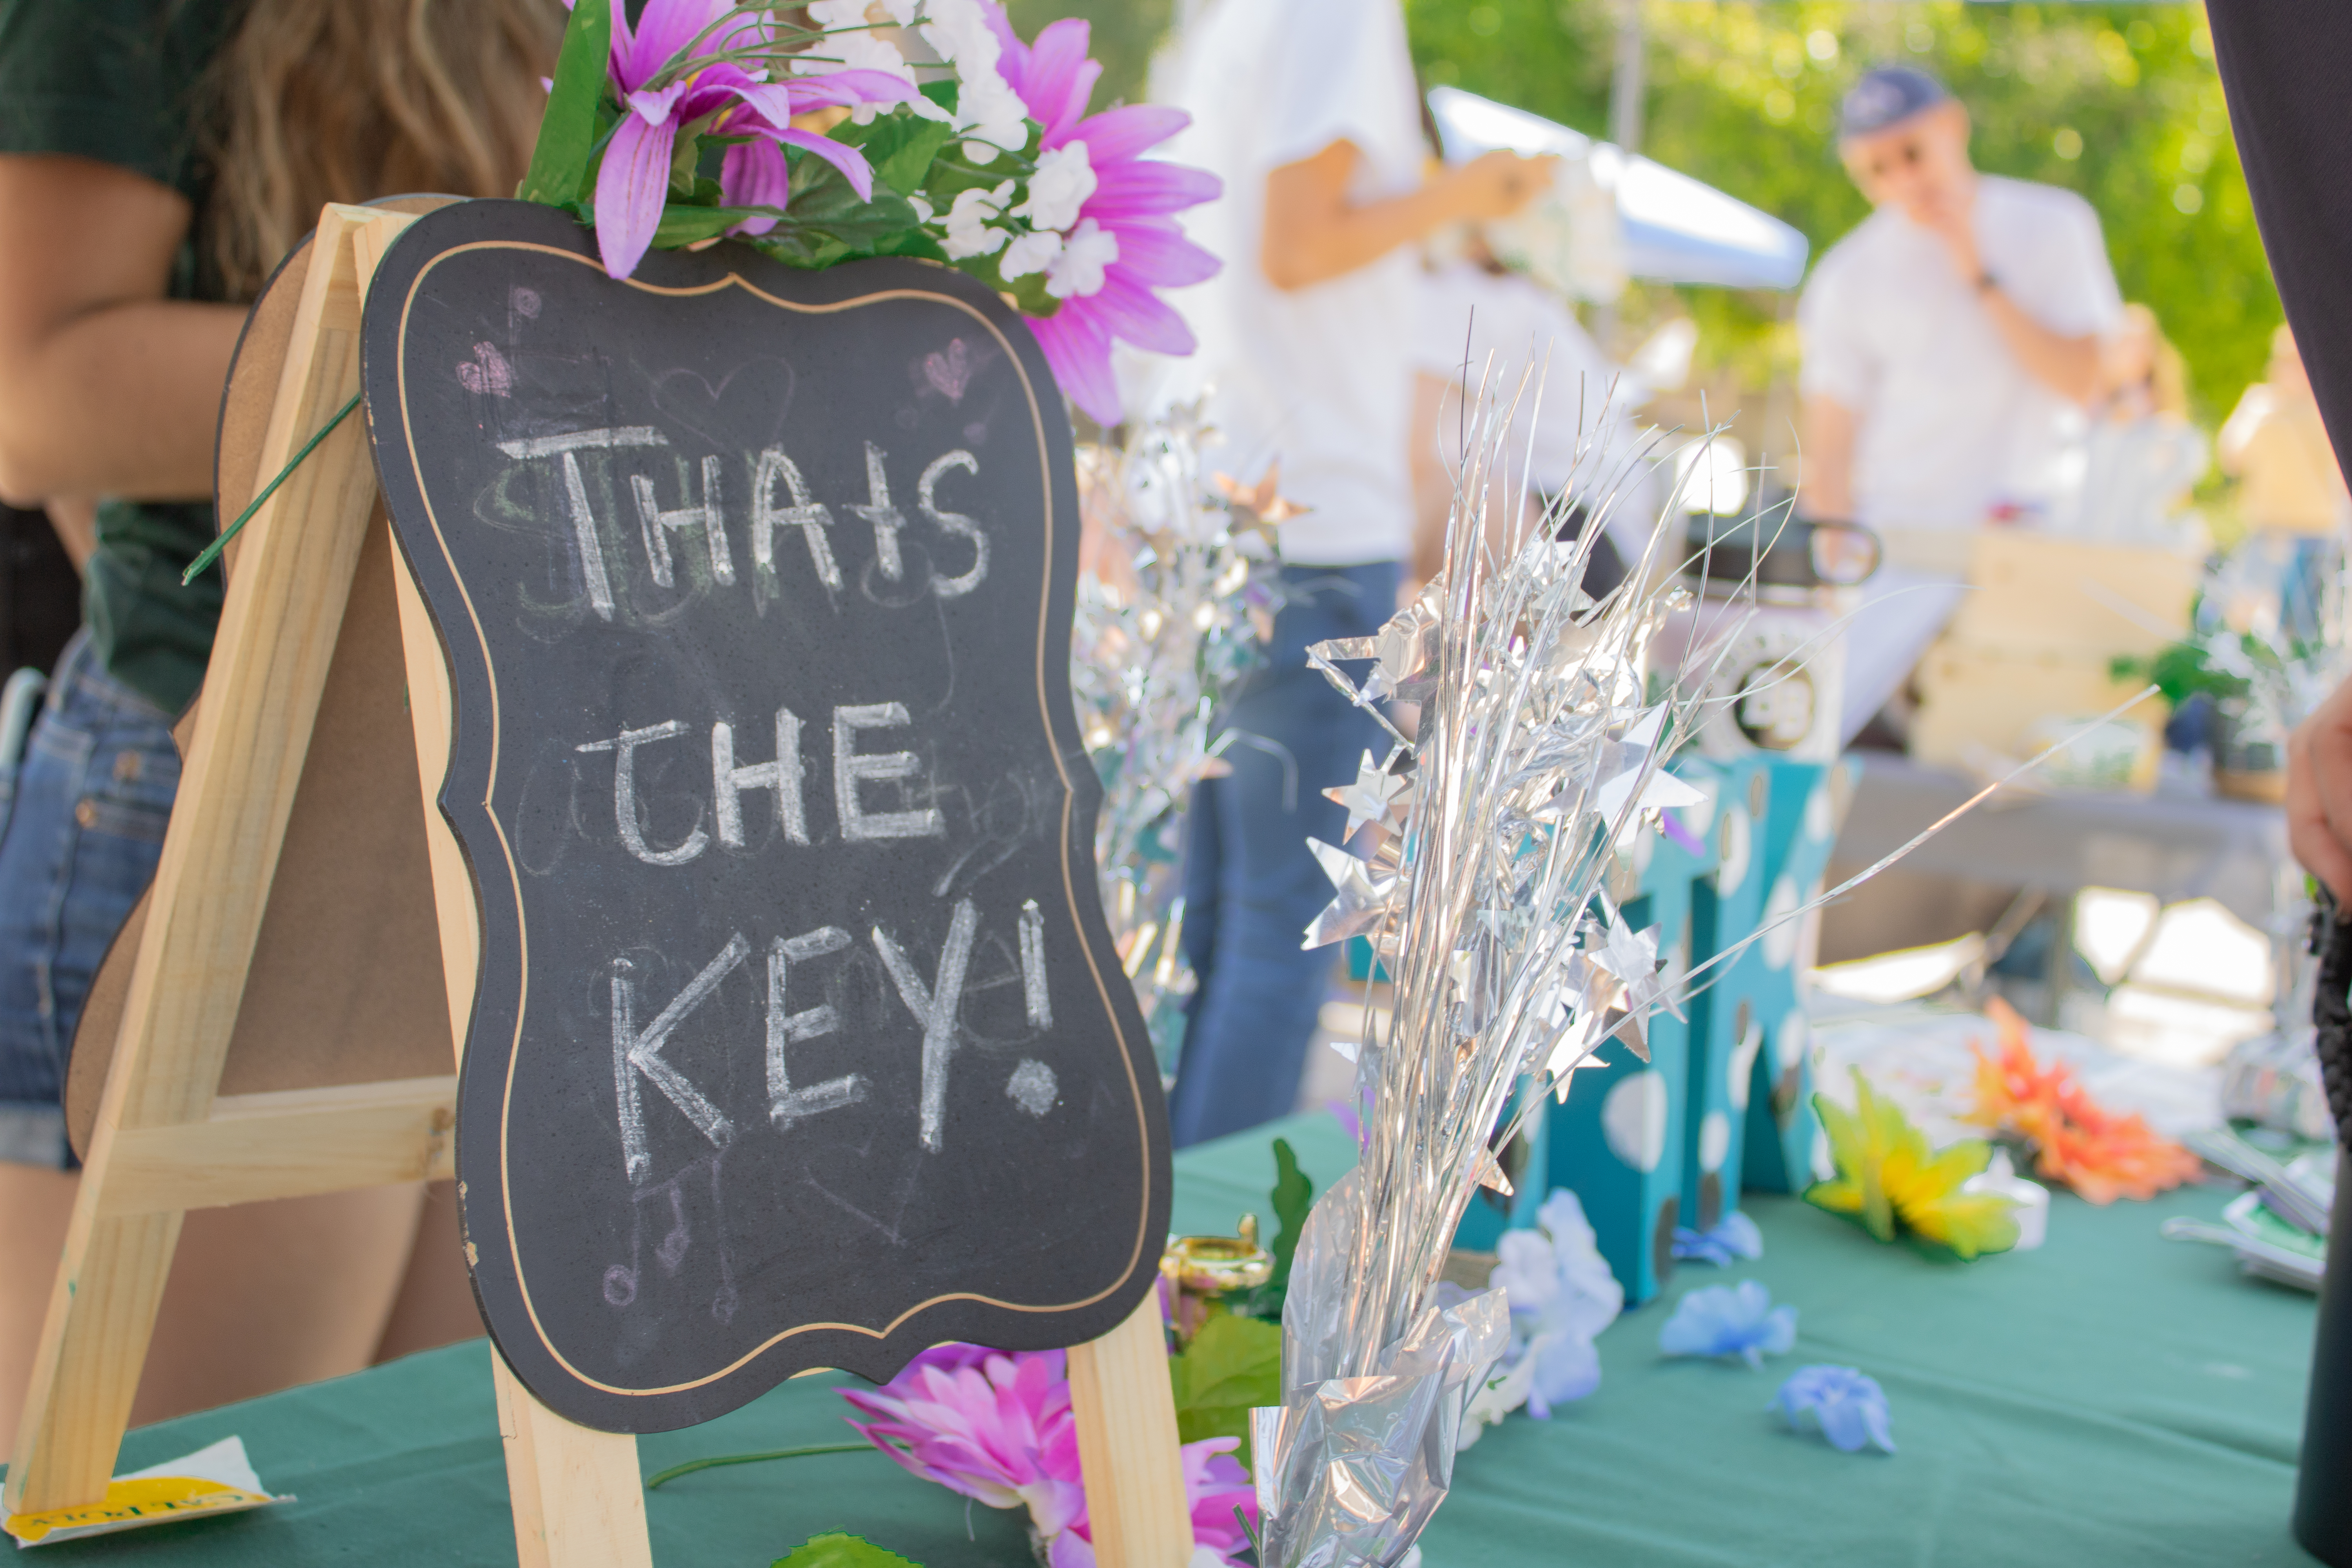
x=1973, y=696
x=2032, y=592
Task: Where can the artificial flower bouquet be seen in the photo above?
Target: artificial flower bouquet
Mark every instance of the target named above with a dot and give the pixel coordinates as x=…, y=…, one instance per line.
x=833, y=140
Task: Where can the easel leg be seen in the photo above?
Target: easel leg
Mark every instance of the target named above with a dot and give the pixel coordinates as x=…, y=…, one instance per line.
x=278, y=633
x=89, y=1361
x=1128, y=1447
x=576, y=1494
x=578, y=1500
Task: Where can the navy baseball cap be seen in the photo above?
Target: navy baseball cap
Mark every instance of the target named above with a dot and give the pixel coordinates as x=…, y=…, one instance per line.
x=1887, y=96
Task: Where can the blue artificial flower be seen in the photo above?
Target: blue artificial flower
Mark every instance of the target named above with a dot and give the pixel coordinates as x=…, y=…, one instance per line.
x=1728, y=1320
x=1734, y=1235
x=1561, y=1294
x=1849, y=1409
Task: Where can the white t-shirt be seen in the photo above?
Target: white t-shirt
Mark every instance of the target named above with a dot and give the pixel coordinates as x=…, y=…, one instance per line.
x=1950, y=424
x=1320, y=378
x=1570, y=427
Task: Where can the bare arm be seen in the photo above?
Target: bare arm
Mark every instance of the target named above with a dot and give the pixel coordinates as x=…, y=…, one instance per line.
x=107, y=387
x=74, y=518
x=2319, y=792
x=1432, y=487
x=2068, y=366
x=1827, y=476
x=1314, y=234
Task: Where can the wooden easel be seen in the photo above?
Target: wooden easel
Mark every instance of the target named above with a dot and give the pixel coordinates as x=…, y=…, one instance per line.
x=167, y=1139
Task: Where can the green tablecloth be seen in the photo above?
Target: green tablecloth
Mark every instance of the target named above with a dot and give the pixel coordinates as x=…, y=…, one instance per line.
x=2112, y=1398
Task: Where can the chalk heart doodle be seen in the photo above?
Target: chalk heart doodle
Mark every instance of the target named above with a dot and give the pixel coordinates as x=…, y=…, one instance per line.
x=798, y=1039
x=949, y=370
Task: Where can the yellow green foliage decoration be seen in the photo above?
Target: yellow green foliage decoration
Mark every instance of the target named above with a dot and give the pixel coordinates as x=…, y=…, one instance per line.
x=1888, y=1176
x=834, y=1550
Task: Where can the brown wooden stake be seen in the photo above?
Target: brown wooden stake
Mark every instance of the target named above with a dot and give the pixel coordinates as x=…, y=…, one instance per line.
x=1128, y=1445
x=576, y=1494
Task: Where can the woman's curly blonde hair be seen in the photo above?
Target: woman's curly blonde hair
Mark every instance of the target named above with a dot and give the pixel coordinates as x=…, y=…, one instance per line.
x=314, y=101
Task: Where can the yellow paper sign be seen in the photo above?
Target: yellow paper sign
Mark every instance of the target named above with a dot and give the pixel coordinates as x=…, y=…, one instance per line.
x=218, y=1479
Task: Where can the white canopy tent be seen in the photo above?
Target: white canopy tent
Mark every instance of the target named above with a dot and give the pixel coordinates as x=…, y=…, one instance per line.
x=1676, y=229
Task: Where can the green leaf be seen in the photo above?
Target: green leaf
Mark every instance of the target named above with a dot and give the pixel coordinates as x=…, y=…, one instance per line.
x=834, y=1550
x=567, y=130
x=911, y=242
x=683, y=226
x=1293, y=1197
x=900, y=146
x=829, y=225
x=1233, y=1364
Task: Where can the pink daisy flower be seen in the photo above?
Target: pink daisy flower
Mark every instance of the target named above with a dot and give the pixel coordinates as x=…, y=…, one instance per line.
x=996, y=1426
x=1126, y=242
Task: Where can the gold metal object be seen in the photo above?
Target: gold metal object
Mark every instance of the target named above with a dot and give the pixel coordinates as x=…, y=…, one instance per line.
x=1217, y=1265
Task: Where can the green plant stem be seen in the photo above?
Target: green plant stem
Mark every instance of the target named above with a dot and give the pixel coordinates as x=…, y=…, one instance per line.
x=693, y=1464
x=212, y=550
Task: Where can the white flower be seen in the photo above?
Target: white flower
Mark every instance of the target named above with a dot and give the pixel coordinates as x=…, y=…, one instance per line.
x=832, y=13
x=969, y=233
x=960, y=33
x=1502, y=1391
x=924, y=213
x=1078, y=269
x=1030, y=253
x=992, y=112
x=1063, y=181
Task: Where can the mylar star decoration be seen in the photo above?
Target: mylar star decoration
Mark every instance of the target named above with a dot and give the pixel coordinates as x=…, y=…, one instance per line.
x=1260, y=509
x=1378, y=795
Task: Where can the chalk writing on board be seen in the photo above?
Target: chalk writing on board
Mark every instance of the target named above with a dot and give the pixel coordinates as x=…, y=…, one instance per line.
x=797, y=1036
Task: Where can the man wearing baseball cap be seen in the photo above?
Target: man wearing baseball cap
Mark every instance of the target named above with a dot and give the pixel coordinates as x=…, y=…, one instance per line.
x=1952, y=339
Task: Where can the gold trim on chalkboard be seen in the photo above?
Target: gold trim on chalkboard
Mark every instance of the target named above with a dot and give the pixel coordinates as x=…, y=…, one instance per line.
x=1044, y=714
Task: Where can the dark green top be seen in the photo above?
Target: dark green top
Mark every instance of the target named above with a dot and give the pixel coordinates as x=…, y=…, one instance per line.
x=114, y=80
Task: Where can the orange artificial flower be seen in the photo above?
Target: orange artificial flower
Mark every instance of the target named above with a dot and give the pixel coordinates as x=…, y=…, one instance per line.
x=2101, y=1155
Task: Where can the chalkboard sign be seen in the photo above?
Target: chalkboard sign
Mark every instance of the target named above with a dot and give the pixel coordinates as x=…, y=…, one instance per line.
x=799, y=1039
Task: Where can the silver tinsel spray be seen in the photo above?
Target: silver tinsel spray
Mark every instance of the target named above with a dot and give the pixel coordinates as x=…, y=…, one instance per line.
x=1536, y=753
x=1177, y=588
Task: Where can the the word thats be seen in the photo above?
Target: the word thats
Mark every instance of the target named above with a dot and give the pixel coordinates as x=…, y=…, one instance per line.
x=781, y=503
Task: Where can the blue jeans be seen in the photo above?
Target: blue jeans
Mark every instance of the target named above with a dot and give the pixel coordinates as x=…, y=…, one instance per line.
x=82, y=834
x=1251, y=885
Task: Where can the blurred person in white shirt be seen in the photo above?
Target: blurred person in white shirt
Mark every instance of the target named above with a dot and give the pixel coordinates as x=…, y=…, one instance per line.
x=1307, y=111
x=1953, y=340
x=1492, y=335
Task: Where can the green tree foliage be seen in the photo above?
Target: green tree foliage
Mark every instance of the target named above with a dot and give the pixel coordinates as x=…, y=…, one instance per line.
x=2119, y=102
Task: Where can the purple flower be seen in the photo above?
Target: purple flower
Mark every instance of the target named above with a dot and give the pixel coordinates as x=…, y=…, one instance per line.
x=1126, y=242
x=1728, y=1320
x=996, y=1426
x=1734, y=1235
x=662, y=92
x=1849, y=1409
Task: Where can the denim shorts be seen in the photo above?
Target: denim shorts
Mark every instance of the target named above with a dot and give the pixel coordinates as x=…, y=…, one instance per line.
x=84, y=824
